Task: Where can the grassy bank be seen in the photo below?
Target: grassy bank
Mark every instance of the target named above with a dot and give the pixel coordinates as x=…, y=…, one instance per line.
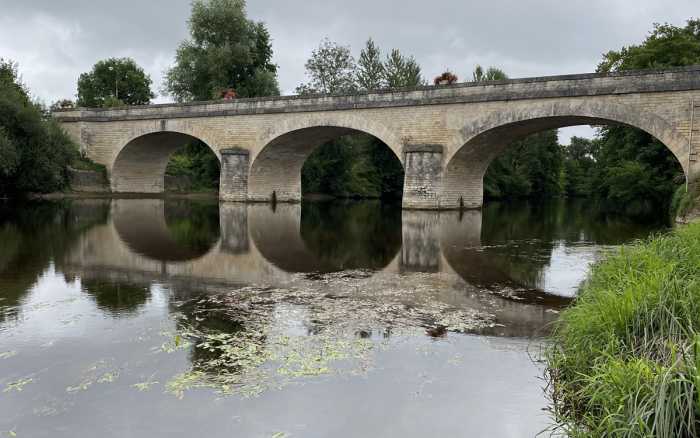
x=625, y=358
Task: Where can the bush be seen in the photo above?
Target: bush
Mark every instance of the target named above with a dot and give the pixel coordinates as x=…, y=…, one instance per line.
x=34, y=152
x=625, y=357
x=683, y=201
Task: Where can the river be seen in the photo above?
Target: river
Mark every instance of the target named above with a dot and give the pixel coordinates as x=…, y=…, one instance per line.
x=181, y=317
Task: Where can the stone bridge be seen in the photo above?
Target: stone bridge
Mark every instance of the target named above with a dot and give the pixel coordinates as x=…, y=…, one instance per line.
x=444, y=136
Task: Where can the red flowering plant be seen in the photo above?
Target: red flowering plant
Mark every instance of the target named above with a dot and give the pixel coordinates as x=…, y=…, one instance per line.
x=447, y=78
x=228, y=94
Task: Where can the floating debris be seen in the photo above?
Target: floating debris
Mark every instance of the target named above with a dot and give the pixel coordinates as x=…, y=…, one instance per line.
x=18, y=385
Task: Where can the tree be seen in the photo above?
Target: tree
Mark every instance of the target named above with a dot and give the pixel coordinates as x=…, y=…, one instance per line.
x=402, y=71
x=113, y=82
x=627, y=153
x=225, y=50
x=370, y=69
x=491, y=74
x=579, y=167
x=331, y=70
x=34, y=151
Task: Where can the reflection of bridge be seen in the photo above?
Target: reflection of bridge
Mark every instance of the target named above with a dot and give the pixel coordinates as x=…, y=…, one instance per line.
x=256, y=245
x=444, y=136
x=264, y=247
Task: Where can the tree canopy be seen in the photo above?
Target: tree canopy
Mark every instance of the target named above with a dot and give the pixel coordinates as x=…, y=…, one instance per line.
x=34, y=151
x=114, y=82
x=225, y=50
x=331, y=70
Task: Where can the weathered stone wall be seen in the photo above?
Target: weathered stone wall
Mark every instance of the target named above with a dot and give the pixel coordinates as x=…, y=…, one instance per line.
x=87, y=181
x=471, y=123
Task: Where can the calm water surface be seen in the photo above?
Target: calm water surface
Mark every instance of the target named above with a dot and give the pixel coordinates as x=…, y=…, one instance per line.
x=159, y=318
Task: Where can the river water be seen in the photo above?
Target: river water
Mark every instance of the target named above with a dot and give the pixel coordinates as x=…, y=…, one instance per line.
x=175, y=317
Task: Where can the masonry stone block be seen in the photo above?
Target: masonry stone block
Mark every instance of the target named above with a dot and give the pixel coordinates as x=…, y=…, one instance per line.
x=234, y=175
x=422, y=176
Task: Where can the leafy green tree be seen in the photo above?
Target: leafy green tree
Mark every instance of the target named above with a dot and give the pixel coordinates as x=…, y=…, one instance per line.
x=627, y=153
x=370, y=69
x=34, y=151
x=402, y=71
x=490, y=74
x=579, y=167
x=666, y=46
x=226, y=50
x=114, y=82
x=530, y=167
x=331, y=70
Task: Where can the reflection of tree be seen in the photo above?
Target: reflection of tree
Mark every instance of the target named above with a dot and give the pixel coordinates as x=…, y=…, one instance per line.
x=193, y=225
x=352, y=235
x=116, y=298
x=518, y=239
x=32, y=235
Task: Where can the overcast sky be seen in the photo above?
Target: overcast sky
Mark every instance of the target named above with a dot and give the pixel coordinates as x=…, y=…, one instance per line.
x=55, y=40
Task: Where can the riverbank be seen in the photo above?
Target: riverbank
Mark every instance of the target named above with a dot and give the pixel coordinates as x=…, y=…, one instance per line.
x=625, y=358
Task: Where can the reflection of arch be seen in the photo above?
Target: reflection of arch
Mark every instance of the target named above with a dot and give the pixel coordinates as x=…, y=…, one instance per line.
x=139, y=167
x=484, y=139
x=277, y=234
x=277, y=167
x=141, y=224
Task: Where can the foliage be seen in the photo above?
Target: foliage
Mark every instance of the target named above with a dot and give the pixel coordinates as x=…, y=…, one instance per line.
x=579, y=167
x=624, y=360
x=447, y=77
x=528, y=168
x=34, y=152
x=225, y=50
x=62, y=104
x=666, y=46
x=402, y=71
x=371, y=73
x=114, y=82
x=656, y=173
x=684, y=201
x=331, y=70
x=196, y=161
x=353, y=166
x=491, y=74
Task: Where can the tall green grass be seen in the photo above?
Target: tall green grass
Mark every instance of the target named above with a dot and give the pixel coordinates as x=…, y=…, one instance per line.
x=625, y=358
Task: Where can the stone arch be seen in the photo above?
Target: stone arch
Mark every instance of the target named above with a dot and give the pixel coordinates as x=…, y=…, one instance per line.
x=139, y=166
x=276, y=168
x=483, y=139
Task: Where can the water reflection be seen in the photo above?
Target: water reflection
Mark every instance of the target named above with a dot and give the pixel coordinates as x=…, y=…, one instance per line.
x=151, y=309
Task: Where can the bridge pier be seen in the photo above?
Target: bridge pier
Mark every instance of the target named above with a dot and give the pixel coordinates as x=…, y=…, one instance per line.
x=233, y=184
x=422, y=176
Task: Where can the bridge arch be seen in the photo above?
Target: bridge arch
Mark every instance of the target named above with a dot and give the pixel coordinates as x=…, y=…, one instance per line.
x=485, y=138
x=139, y=166
x=276, y=168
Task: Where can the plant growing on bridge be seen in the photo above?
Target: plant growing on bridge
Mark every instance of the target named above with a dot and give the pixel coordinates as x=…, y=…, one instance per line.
x=225, y=50
x=447, y=78
x=114, y=82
